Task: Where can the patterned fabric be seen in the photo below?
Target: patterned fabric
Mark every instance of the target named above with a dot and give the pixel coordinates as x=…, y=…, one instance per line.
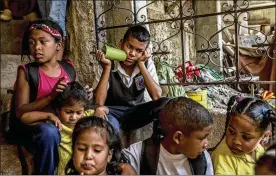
x=47, y=29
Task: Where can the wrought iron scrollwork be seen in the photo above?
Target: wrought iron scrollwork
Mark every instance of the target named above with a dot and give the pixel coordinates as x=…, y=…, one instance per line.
x=178, y=18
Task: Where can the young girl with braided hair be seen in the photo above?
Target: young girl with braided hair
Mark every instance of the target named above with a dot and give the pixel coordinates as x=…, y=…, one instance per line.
x=247, y=123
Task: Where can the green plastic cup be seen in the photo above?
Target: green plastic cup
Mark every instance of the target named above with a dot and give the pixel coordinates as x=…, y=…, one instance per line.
x=114, y=53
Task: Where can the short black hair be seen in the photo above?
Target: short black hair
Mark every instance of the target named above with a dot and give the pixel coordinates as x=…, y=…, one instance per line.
x=185, y=114
x=139, y=32
x=73, y=93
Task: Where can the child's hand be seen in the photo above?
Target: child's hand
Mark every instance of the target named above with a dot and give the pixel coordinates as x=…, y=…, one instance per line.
x=55, y=120
x=59, y=87
x=101, y=58
x=101, y=112
x=127, y=169
x=146, y=55
x=89, y=91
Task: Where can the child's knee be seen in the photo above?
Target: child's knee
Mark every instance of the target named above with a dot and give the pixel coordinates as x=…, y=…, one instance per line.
x=47, y=132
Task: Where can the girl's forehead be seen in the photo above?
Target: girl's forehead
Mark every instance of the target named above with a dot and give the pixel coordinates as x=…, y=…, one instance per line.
x=73, y=106
x=243, y=123
x=96, y=132
x=38, y=33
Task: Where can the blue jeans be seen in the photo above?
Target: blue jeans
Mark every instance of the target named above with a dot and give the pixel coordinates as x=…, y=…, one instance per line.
x=54, y=10
x=132, y=118
x=43, y=142
x=116, y=113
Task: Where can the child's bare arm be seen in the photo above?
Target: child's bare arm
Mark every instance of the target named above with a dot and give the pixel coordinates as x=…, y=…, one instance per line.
x=23, y=93
x=152, y=87
x=101, y=90
x=102, y=112
x=105, y=109
x=36, y=117
x=127, y=169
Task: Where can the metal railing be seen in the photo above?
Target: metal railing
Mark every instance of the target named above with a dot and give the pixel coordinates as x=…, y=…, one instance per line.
x=181, y=17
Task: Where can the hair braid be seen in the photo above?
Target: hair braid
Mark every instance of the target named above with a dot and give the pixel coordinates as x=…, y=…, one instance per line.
x=272, y=119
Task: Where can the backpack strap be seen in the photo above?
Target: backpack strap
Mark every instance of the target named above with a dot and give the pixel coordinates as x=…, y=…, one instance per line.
x=32, y=75
x=198, y=165
x=149, y=157
x=70, y=70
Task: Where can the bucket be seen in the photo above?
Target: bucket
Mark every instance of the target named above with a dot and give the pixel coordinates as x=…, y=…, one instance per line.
x=199, y=96
x=114, y=53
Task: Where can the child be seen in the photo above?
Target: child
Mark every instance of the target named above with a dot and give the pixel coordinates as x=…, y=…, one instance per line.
x=122, y=85
x=37, y=84
x=185, y=125
x=96, y=148
x=266, y=165
x=246, y=124
x=69, y=107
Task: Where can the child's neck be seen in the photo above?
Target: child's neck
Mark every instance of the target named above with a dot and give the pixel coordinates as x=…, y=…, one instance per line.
x=51, y=68
x=50, y=64
x=128, y=69
x=168, y=144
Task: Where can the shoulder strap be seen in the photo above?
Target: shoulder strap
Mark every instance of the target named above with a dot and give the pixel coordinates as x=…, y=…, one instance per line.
x=198, y=165
x=149, y=157
x=70, y=70
x=32, y=76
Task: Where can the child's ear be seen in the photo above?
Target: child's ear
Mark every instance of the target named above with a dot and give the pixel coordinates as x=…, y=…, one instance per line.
x=110, y=154
x=121, y=43
x=177, y=137
x=59, y=45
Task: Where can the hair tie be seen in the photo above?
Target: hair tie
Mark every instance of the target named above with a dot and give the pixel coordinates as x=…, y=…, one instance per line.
x=265, y=112
x=239, y=99
x=47, y=29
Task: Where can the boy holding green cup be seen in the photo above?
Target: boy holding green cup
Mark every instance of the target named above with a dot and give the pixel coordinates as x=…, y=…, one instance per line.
x=123, y=83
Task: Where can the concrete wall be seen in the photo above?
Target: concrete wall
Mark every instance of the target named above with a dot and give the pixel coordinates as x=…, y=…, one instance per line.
x=82, y=40
x=168, y=34
x=10, y=50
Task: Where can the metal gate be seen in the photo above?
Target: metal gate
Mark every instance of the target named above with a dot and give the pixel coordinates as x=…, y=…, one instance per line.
x=181, y=18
